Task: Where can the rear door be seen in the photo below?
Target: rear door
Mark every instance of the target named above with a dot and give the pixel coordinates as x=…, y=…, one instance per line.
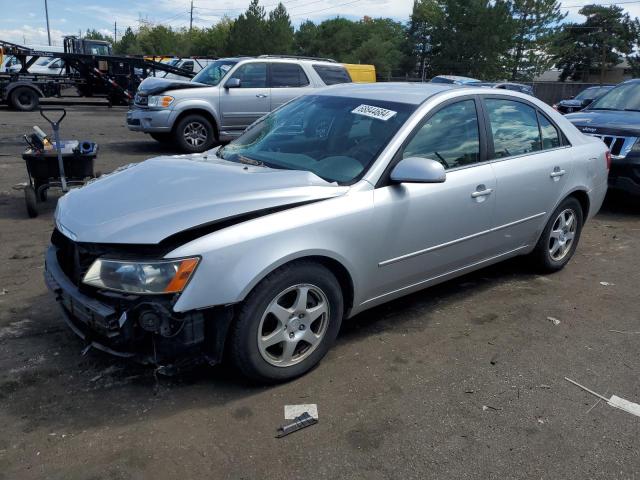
x=532, y=165
x=287, y=81
x=242, y=106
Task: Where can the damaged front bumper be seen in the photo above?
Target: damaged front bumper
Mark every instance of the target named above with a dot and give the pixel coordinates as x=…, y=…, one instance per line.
x=143, y=328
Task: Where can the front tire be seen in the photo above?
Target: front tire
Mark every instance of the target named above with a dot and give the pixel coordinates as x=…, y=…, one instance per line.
x=560, y=237
x=24, y=99
x=194, y=134
x=287, y=323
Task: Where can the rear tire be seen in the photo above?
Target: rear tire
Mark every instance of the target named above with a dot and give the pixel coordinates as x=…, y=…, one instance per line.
x=24, y=99
x=194, y=134
x=560, y=237
x=31, y=201
x=300, y=307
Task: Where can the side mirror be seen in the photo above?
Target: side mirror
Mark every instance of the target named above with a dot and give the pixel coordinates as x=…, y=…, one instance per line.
x=232, y=83
x=418, y=170
x=572, y=97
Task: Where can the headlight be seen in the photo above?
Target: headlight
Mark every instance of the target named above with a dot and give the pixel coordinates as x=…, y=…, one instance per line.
x=156, y=277
x=161, y=101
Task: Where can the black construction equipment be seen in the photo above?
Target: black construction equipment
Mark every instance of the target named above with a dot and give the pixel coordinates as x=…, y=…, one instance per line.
x=89, y=66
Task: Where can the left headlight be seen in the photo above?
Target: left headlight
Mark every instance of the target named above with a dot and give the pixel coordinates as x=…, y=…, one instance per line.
x=160, y=101
x=154, y=277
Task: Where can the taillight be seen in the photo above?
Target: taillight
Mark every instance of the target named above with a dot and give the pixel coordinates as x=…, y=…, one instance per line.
x=607, y=157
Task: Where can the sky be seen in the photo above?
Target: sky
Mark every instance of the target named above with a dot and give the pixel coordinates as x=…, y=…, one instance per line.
x=23, y=21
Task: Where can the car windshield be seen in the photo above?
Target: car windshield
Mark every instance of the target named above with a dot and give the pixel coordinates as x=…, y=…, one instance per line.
x=337, y=138
x=215, y=72
x=622, y=97
x=44, y=61
x=587, y=94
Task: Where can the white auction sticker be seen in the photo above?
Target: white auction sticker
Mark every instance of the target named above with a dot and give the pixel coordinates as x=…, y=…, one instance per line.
x=374, y=112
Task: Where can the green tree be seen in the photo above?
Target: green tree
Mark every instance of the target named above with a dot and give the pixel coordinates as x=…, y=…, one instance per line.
x=306, y=39
x=93, y=34
x=248, y=34
x=536, y=26
x=158, y=40
x=128, y=43
x=471, y=38
x=425, y=16
x=280, y=36
x=601, y=42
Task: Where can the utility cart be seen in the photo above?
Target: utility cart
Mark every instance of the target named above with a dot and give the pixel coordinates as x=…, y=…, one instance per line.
x=59, y=165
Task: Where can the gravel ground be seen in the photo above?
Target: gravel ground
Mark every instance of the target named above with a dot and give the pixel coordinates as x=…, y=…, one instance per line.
x=464, y=380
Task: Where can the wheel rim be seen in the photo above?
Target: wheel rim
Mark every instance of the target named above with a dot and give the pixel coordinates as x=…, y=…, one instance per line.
x=25, y=98
x=195, y=134
x=562, y=234
x=293, y=325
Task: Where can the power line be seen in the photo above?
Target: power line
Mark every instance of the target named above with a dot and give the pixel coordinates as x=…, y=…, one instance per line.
x=600, y=4
x=324, y=9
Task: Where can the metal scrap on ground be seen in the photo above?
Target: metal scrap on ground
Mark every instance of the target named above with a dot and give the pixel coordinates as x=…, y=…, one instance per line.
x=614, y=401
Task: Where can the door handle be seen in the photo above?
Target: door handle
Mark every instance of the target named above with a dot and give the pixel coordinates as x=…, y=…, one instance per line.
x=557, y=173
x=261, y=95
x=482, y=193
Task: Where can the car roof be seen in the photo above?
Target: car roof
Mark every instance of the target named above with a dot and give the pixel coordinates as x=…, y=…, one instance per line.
x=458, y=78
x=284, y=59
x=402, y=92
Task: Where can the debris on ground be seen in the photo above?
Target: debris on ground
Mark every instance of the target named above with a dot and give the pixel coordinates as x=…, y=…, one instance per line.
x=614, y=401
x=489, y=407
x=624, y=332
x=554, y=320
x=4, y=291
x=607, y=284
x=303, y=421
x=293, y=411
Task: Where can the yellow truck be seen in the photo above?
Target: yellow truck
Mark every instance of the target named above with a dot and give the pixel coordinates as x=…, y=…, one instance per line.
x=361, y=73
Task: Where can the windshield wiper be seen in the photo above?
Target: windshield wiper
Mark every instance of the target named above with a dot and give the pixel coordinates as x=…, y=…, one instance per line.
x=632, y=110
x=601, y=108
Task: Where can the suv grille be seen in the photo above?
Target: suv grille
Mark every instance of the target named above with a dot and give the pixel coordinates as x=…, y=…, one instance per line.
x=619, y=146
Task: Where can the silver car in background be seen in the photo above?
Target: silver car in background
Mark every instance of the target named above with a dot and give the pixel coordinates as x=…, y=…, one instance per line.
x=341, y=200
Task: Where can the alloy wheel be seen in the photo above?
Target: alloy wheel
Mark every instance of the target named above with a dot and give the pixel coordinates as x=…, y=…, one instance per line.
x=195, y=134
x=293, y=325
x=562, y=234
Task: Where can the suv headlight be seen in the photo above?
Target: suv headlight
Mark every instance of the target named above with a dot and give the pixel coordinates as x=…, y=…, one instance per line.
x=153, y=277
x=160, y=101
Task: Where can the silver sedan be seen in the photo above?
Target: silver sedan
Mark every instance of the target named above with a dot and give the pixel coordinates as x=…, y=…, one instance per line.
x=336, y=202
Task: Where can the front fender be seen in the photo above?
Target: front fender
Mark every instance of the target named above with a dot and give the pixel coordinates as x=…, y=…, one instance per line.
x=193, y=104
x=236, y=259
x=21, y=83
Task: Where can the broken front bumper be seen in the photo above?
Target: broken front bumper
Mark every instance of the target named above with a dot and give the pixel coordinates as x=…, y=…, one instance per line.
x=112, y=324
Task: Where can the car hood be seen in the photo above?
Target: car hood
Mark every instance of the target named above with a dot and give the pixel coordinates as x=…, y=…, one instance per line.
x=147, y=202
x=154, y=86
x=613, y=122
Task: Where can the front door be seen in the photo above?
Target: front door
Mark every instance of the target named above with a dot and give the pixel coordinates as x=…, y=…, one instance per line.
x=242, y=106
x=426, y=231
x=531, y=168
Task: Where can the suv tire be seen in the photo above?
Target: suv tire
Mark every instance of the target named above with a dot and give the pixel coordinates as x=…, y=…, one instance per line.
x=560, y=237
x=194, y=134
x=295, y=303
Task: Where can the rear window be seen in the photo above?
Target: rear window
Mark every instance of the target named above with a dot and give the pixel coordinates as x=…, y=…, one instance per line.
x=332, y=75
x=287, y=75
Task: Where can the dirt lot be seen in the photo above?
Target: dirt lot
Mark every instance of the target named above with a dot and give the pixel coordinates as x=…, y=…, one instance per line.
x=465, y=380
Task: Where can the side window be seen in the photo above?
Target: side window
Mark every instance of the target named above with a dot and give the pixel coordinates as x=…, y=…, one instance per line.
x=332, y=75
x=550, y=136
x=252, y=75
x=287, y=75
x=450, y=136
x=188, y=65
x=514, y=126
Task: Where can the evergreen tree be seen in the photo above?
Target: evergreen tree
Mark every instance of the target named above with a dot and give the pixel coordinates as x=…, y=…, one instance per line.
x=536, y=25
x=601, y=42
x=248, y=34
x=280, y=31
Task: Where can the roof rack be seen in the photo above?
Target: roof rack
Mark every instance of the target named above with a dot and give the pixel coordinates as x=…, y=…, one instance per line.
x=299, y=57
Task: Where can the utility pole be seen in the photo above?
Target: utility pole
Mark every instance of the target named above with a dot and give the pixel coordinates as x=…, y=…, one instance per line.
x=191, y=17
x=603, y=59
x=115, y=31
x=46, y=12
